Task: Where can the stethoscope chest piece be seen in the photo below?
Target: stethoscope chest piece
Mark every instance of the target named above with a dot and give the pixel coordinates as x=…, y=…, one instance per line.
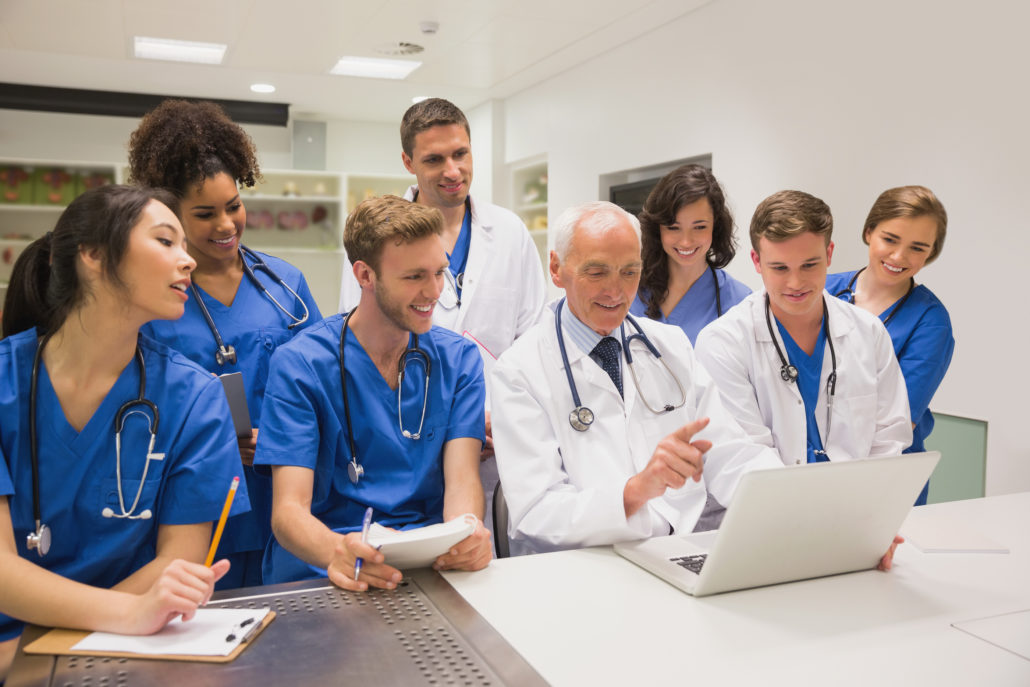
x=355, y=470
x=39, y=540
x=581, y=418
x=788, y=373
x=225, y=355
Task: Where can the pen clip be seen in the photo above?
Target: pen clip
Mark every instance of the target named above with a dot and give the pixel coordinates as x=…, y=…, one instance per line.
x=233, y=636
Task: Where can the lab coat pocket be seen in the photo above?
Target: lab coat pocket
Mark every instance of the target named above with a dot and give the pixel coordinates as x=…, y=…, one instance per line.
x=854, y=425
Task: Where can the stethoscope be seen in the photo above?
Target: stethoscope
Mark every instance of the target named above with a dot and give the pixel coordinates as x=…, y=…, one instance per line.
x=582, y=417
x=849, y=292
x=789, y=373
x=356, y=470
x=718, y=295
x=226, y=355
x=41, y=538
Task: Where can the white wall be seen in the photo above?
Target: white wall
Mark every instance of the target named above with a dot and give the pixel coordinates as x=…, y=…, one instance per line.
x=842, y=101
x=92, y=138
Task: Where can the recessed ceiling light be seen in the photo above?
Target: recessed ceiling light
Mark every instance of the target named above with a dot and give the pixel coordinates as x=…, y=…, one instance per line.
x=419, y=98
x=374, y=67
x=262, y=88
x=179, y=51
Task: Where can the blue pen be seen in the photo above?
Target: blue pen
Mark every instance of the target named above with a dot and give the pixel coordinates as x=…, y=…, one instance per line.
x=364, y=540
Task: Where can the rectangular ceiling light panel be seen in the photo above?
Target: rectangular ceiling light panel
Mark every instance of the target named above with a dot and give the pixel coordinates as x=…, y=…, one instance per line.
x=179, y=51
x=374, y=67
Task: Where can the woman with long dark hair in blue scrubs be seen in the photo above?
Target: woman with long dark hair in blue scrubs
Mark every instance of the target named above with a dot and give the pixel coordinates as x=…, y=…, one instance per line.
x=905, y=231
x=245, y=304
x=115, y=455
x=686, y=240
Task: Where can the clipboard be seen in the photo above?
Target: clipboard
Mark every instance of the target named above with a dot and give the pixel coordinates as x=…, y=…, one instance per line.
x=59, y=642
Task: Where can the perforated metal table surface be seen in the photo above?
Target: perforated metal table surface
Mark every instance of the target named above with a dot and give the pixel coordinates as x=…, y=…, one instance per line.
x=423, y=633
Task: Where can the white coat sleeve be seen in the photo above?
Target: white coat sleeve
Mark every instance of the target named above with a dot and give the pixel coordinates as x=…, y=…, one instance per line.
x=893, y=420
x=532, y=288
x=546, y=511
x=724, y=356
x=733, y=452
x=350, y=292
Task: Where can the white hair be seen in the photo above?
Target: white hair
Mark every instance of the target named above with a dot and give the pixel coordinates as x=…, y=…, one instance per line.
x=598, y=215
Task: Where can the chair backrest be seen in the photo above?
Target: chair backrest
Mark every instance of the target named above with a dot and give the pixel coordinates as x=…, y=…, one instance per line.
x=500, y=510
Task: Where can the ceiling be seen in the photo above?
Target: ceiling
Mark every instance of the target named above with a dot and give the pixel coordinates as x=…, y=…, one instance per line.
x=483, y=49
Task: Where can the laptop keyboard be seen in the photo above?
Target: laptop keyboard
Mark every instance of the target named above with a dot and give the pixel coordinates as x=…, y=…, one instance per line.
x=691, y=563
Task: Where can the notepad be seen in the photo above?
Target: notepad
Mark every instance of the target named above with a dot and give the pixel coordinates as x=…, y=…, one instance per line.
x=211, y=632
x=418, y=548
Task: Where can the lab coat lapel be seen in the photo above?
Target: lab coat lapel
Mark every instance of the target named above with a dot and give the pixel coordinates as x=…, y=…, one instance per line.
x=482, y=243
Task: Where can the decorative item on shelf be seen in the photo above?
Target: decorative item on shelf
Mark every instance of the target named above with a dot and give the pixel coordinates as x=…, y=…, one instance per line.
x=295, y=220
x=54, y=186
x=13, y=185
x=320, y=188
x=260, y=219
x=319, y=214
x=8, y=255
x=539, y=222
x=535, y=191
x=91, y=180
x=290, y=189
x=369, y=193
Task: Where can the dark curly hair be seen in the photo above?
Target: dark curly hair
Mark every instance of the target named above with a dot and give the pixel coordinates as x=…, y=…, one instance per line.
x=682, y=186
x=180, y=143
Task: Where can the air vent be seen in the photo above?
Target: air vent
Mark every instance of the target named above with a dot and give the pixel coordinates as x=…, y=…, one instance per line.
x=399, y=48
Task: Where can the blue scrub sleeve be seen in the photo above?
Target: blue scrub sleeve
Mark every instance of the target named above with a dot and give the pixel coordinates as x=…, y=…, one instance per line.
x=6, y=483
x=290, y=430
x=206, y=457
x=468, y=409
x=925, y=360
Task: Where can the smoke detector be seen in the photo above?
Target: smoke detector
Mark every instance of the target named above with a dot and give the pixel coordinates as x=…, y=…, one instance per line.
x=399, y=48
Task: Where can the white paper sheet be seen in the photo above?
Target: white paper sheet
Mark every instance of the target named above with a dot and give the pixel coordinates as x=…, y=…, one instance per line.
x=211, y=632
x=418, y=548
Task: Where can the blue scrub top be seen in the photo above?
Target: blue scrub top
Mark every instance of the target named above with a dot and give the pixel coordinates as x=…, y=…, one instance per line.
x=459, y=257
x=810, y=369
x=923, y=343
x=697, y=307
x=305, y=426
x=77, y=469
x=255, y=327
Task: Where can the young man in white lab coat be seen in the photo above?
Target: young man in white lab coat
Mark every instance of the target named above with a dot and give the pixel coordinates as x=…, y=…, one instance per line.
x=805, y=374
x=495, y=289
x=621, y=471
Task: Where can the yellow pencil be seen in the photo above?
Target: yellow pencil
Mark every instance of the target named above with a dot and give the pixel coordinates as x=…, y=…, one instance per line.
x=221, y=522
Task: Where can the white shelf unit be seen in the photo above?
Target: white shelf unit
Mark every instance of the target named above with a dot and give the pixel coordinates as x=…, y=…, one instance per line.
x=33, y=194
x=529, y=199
x=299, y=215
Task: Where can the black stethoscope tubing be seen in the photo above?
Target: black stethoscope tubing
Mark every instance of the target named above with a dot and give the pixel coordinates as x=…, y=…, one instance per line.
x=355, y=470
x=40, y=538
x=718, y=295
x=849, y=292
x=226, y=355
x=581, y=417
x=789, y=373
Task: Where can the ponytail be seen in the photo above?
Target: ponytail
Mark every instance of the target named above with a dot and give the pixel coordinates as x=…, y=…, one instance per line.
x=25, y=305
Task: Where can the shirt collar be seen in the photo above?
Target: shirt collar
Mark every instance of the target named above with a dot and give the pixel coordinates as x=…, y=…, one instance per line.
x=585, y=338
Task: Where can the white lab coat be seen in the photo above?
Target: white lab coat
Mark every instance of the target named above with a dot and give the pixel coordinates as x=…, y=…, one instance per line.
x=564, y=488
x=503, y=289
x=870, y=409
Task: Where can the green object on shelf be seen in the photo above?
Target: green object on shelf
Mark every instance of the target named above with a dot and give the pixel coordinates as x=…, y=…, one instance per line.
x=17, y=185
x=961, y=473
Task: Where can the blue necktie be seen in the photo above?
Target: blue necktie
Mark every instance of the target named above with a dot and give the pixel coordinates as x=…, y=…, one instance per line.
x=606, y=353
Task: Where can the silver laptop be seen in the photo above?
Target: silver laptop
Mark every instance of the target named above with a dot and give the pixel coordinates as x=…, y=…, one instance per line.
x=793, y=523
